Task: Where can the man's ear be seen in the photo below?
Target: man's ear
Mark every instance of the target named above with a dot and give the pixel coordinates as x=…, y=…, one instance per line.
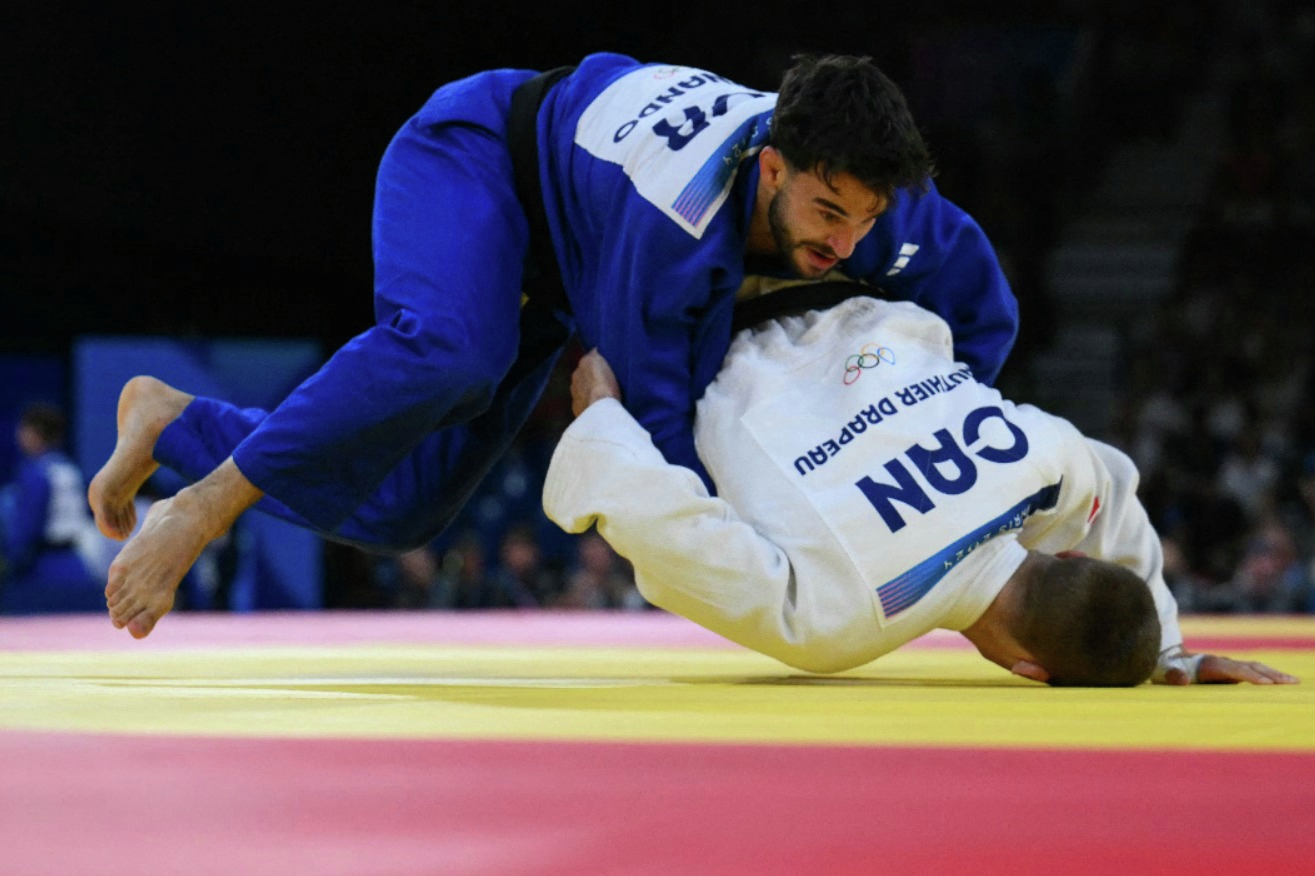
x=1030, y=670
x=771, y=166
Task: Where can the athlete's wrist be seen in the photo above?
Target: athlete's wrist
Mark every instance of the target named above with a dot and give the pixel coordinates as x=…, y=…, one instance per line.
x=1177, y=659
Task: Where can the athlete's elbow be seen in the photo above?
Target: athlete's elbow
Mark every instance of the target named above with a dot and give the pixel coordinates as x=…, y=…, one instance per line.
x=807, y=650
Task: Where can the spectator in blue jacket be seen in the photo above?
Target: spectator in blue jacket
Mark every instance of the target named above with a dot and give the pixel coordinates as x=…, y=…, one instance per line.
x=46, y=525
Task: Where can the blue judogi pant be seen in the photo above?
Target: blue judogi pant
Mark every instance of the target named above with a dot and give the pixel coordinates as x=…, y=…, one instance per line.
x=385, y=443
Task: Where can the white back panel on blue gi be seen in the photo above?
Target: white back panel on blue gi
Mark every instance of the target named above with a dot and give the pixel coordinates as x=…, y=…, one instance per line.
x=679, y=133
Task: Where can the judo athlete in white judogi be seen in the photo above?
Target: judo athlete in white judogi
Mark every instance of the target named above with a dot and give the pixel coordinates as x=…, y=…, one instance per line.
x=871, y=490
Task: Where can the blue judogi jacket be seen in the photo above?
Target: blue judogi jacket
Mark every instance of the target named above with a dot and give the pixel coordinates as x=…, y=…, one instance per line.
x=45, y=517
x=648, y=177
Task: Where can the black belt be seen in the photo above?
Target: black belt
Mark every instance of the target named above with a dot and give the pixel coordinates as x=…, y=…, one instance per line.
x=543, y=276
x=798, y=299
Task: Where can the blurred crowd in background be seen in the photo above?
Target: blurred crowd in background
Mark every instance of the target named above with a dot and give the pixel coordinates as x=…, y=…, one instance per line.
x=1216, y=378
x=1218, y=409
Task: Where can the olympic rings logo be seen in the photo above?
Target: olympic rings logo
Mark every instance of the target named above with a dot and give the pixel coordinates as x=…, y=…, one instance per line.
x=869, y=357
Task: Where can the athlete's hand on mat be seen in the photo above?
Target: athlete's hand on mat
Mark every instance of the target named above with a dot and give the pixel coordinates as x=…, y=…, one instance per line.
x=1223, y=670
x=592, y=381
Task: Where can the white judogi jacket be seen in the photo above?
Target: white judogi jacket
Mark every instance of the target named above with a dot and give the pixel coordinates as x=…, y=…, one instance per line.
x=870, y=490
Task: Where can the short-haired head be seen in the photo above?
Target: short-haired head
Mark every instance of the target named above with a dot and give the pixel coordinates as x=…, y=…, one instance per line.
x=1087, y=622
x=46, y=421
x=840, y=114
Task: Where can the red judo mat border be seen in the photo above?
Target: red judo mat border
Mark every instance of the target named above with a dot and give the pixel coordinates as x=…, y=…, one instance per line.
x=506, y=628
x=142, y=805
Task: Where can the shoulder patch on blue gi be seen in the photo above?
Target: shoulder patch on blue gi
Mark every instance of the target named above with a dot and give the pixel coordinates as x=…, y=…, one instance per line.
x=679, y=134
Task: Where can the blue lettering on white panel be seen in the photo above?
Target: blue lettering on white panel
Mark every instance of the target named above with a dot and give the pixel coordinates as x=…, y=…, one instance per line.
x=712, y=178
x=679, y=135
x=948, y=452
x=901, y=593
x=905, y=490
x=972, y=426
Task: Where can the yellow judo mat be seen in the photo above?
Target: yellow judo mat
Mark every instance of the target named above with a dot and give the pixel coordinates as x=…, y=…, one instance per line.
x=545, y=744
x=586, y=687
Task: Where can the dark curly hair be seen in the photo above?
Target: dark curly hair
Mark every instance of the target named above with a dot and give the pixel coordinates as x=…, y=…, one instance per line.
x=840, y=114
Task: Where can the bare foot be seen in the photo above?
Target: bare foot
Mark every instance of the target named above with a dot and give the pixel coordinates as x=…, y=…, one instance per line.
x=145, y=575
x=146, y=406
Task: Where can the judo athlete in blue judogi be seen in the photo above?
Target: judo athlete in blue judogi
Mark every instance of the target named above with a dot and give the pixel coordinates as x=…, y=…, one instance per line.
x=631, y=203
x=45, y=533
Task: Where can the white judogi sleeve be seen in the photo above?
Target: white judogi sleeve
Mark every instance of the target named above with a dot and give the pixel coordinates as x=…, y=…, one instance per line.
x=1099, y=514
x=692, y=553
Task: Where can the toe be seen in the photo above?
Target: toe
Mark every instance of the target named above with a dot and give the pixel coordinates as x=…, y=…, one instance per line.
x=141, y=625
x=123, y=609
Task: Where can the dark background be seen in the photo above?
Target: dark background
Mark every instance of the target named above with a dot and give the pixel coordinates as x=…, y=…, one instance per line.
x=208, y=167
